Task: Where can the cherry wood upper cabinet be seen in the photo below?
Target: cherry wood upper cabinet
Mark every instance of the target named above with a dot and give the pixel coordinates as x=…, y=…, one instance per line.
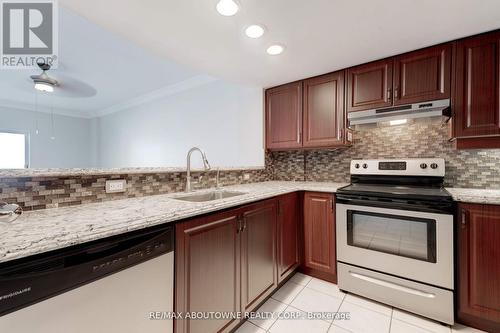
x=258, y=253
x=284, y=116
x=413, y=77
x=208, y=271
x=369, y=86
x=422, y=75
x=288, y=235
x=319, y=236
x=324, y=110
x=477, y=91
x=479, y=266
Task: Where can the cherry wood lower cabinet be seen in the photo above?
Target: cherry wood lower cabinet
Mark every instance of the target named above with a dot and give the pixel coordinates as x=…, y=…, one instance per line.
x=258, y=254
x=479, y=266
x=319, y=236
x=288, y=235
x=208, y=270
x=225, y=262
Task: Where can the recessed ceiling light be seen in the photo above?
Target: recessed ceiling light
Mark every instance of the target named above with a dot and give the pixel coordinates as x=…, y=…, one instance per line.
x=227, y=7
x=254, y=31
x=275, y=49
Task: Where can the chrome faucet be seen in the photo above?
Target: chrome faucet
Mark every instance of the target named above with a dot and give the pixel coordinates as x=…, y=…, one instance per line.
x=217, y=179
x=205, y=164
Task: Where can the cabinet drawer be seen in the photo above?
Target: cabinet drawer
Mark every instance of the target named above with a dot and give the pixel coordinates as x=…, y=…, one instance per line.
x=401, y=293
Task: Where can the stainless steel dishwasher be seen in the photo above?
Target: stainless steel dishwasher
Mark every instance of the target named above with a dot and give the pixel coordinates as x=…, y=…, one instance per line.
x=108, y=285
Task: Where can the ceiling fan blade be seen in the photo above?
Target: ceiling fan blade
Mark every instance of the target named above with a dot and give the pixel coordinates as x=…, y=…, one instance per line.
x=73, y=88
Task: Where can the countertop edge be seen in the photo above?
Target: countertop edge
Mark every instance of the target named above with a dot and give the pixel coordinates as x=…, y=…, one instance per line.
x=88, y=233
x=76, y=172
x=23, y=242
x=474, y=195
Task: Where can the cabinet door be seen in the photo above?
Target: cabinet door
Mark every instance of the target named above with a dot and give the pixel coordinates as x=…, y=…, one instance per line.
x=479, y=266
x=319, y=235
x=208, y=271
x=324, y=110
x=476, y=100
x=284, y=116
x=258, y=253
x=288, y=235
x=369, y=86
x=422, y=75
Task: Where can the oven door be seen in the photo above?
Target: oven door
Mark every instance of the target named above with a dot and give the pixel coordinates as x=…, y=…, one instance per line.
x=409, y=244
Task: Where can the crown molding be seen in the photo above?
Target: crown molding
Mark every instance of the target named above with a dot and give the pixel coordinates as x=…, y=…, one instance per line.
x=193, y=82
x=4, y=103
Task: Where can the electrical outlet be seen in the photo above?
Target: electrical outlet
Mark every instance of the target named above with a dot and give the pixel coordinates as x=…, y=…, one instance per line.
x=116, y=186
x=246, y=176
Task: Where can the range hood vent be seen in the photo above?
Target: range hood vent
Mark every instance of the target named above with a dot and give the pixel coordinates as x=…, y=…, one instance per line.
x=409, y=111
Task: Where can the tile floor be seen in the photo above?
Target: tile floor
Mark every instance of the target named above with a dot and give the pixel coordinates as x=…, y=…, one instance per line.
x=303, y=294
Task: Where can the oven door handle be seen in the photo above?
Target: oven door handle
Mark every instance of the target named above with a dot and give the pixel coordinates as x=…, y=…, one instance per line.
x=392, y=285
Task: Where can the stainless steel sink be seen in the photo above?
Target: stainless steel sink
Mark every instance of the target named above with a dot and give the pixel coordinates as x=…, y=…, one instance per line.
x=209, y=196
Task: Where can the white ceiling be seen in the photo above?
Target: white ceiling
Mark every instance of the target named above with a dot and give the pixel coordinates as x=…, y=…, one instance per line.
x=120, y=53
x=320, y=35
x=98, y=71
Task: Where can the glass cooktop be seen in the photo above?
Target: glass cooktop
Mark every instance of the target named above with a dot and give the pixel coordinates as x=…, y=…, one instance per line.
x=402, y=191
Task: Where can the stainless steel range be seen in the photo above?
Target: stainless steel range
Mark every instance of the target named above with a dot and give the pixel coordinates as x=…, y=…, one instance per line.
x=395, y=235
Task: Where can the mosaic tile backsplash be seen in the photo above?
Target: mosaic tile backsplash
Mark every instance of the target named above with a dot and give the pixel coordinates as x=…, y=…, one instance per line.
x=34, y=193
x=425, y=138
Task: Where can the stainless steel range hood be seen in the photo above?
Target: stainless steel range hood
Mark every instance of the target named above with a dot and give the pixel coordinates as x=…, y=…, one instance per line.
x=428, y=109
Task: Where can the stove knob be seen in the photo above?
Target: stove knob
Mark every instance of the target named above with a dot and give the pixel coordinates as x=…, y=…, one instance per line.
x=356, y=165
x=434, y=166
x=423, y=166
x=365, y=165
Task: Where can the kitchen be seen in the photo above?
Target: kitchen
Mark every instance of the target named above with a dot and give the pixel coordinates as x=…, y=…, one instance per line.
x=202, y=167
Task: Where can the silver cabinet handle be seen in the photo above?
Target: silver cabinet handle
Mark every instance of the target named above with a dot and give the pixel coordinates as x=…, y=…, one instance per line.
x=464, y=218
x=238, y=227
x=9, y=212
x=392, y=285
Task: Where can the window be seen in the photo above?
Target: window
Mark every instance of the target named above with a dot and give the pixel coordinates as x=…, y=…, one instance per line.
x=404, y=236
x=13, y=150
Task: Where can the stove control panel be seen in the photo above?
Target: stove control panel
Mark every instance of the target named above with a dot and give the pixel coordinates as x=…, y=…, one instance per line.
x=430, y=167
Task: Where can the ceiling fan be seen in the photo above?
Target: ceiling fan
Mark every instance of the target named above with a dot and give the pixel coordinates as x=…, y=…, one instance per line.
x=43, y=81
x=67, y=87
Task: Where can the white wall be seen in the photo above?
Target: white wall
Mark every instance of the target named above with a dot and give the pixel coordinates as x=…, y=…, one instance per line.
x=222, y=118
x=70, y=147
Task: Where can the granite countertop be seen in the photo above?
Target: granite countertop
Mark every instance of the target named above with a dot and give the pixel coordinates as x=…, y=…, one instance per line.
x=475, y=195
x=50, y=229
x=57, y=172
